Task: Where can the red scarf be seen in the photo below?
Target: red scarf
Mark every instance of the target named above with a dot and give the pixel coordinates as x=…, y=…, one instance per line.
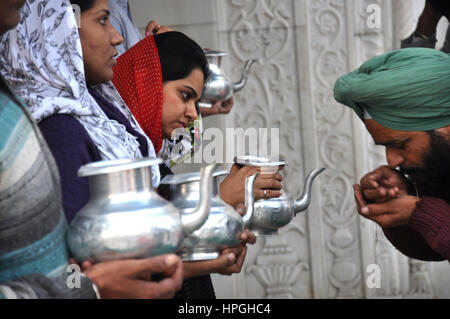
x=138, y=78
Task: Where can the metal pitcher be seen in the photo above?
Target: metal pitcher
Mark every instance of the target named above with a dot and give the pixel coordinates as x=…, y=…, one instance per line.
x=218, y=87
x=271, y=214
x=126, y=218
x=223, y=226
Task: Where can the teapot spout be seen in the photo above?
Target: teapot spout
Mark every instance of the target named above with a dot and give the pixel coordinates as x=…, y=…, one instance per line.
x=303, y=202
x=240, y=85
x=199, y=215
x=249, y=198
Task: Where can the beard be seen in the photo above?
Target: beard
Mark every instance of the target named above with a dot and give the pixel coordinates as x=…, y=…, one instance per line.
x=433, y=179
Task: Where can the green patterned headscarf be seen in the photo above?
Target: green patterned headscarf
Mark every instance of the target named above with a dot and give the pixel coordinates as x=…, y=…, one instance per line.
x=405, y=90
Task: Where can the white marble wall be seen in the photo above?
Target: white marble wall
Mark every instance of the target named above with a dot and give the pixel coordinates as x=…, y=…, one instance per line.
x=302, y=46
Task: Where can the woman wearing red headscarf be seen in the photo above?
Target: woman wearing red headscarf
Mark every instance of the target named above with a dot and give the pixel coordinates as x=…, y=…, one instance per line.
x=161, y=79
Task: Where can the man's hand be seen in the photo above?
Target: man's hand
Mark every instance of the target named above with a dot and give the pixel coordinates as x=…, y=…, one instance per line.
x=218, y=108
x=232, y=189
x=154, y=28
x=383, y=184
x=392, y=213
x=134, y=278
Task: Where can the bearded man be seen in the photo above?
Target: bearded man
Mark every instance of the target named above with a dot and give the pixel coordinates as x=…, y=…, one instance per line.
x=403, y=97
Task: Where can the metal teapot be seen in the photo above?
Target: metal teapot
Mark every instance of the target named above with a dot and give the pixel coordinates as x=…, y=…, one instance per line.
x=218, y=87
x=271, y=214
x=223, y=226
x=126, y=218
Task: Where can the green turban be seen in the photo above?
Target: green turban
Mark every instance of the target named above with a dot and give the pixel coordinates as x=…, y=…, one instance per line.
x=406, y=89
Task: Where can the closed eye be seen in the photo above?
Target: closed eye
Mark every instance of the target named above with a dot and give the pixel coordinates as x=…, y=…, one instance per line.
x=397, y=144
x=186, y=96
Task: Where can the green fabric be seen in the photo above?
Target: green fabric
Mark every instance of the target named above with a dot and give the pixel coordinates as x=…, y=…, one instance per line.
x=406, y=89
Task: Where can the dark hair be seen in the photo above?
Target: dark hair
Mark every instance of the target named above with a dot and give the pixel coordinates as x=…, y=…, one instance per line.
x=442, y=6
x=179, y=55
x=84, y=4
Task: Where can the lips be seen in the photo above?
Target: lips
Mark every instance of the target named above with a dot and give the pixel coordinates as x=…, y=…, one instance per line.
x=183, y=124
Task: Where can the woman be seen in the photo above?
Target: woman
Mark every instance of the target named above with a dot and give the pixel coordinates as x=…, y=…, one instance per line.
x=33, y=251
x=161, y=79
x=163, y=89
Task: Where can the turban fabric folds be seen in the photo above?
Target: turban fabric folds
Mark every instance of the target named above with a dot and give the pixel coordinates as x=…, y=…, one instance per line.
x=405, y=90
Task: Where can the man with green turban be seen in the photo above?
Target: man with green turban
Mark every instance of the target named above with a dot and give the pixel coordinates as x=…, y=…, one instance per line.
x=403, y=98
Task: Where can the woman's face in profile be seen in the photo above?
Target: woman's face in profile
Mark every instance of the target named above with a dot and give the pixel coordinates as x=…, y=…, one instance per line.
x=98, y=40
x=180, y=97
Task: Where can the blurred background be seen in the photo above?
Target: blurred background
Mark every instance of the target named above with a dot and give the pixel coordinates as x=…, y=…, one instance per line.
x=302, y=47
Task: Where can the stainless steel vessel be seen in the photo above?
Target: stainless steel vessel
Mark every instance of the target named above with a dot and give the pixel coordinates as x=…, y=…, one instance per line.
x=271, y=214
x=223, y=226
x=126, y=218
x=218, y=87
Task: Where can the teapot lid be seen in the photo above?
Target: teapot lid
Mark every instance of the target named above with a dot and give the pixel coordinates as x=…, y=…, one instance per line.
x=188, y=177
x=112, y=166
x=258, y=161
x=209, y=52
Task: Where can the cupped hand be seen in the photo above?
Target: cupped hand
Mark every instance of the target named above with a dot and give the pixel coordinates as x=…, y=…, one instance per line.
x=392, y=213
x=383, y=184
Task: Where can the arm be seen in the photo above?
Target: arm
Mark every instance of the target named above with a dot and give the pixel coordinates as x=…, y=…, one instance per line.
x=71, y=147
x=431, y=219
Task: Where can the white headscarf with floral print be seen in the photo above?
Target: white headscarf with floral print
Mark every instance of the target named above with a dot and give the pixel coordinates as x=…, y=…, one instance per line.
x=41, y=60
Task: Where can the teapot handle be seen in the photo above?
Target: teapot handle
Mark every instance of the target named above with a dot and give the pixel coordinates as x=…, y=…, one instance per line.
x=249, y=198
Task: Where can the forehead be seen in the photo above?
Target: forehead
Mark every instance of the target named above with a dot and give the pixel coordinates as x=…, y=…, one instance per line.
x=195, y=80
x=384, y=136
x=98, y=6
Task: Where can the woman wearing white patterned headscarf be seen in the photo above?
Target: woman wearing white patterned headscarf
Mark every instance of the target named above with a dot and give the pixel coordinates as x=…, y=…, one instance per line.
x=81, y=115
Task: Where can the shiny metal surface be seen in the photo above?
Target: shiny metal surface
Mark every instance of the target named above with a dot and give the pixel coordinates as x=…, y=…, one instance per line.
x=223, y=226
x=218, y=87
x=271, y=214
x=176, y=179
x=258, y=161
x=126, y=218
